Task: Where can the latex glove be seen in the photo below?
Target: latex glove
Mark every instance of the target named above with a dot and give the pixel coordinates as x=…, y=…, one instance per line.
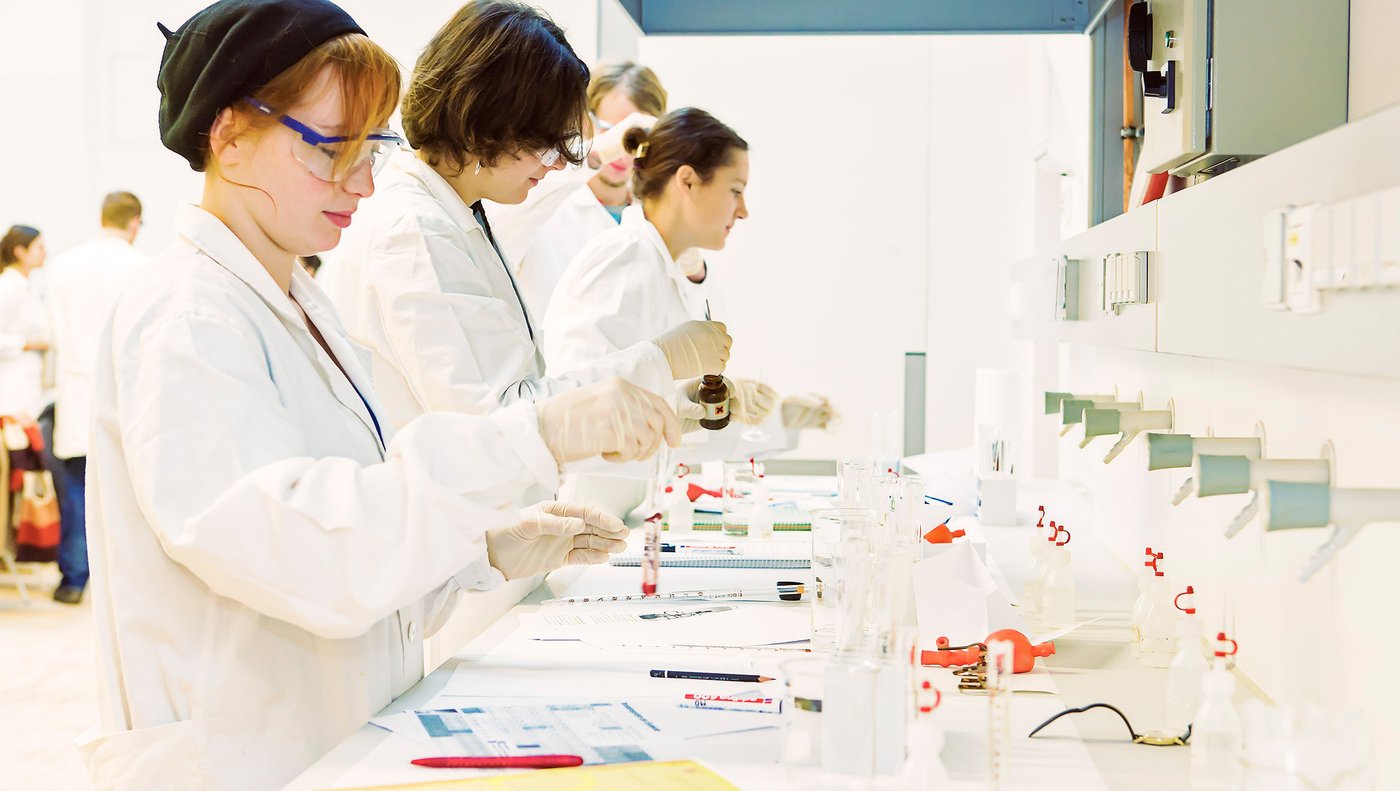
x=694, y=348
x=691, y=262
x=750, y=402
x=553, y=534
x=808, y=411
x=608, y=144
x=614, y=418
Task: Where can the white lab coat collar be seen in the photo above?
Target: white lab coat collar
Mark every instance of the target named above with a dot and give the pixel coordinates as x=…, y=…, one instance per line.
x=214, y=239
x=633, y=217
x=408, y=163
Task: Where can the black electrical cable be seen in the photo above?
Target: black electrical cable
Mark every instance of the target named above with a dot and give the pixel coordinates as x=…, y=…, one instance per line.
x=1132, y=734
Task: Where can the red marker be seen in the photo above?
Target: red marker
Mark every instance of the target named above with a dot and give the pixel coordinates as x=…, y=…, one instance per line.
x=501, y=762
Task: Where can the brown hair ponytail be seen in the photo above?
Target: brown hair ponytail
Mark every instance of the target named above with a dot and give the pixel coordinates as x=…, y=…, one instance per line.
x=687, y=136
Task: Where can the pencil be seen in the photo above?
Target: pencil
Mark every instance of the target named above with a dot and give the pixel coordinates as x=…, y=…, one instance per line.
x=697, y=675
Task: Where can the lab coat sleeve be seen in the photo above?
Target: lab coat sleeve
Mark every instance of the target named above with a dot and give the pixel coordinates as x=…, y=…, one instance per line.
x=224, y=476
x=460, y=347
x=12, y=341
x=601, y=306
x=517, y=226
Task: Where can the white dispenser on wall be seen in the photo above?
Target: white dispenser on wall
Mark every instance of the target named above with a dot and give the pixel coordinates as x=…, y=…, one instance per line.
x=1227, y=82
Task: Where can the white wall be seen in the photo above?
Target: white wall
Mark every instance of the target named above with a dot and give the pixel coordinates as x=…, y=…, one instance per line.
x=78, y=79
x=1375, y=60
x=890, y=178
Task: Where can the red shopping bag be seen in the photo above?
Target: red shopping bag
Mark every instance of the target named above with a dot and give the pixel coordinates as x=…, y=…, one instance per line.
x=36, y=519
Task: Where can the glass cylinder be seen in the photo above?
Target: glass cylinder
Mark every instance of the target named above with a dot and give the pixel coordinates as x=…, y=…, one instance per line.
x=830, y=527
x=855, y=483
x=740, y=482
x=802, y=710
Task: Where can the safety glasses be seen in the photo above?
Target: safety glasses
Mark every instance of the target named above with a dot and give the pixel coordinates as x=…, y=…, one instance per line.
x=322, y=154
x=549, y=156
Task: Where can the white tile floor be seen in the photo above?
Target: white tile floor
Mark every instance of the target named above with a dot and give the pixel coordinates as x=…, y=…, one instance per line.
x=48, y=686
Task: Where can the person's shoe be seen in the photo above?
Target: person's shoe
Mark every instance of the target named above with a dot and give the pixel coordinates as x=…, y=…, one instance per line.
x=67, y=594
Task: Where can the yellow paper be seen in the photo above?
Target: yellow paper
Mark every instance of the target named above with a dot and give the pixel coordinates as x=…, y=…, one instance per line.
x=638, y=776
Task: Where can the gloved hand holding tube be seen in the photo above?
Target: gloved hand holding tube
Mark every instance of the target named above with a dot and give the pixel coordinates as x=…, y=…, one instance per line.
x=607, y=145
x=694, y=348
x=612, y=418
x=554, y=534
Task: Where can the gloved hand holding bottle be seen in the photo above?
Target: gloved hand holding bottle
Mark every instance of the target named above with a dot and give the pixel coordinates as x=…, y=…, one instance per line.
x=554, y=534
x=750, y=402
x=694, y=348
x=612, y=418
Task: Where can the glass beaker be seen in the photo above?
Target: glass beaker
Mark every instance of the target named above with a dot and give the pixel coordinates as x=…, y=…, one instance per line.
x=830, y=526
x=740, y=480
x=855, y=483
x=900, y=501
x=802, y=709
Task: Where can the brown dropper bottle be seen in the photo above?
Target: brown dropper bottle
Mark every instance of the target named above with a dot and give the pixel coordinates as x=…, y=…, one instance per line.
x=714, y=397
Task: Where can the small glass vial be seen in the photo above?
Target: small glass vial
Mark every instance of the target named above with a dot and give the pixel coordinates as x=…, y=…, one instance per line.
x=714, y=398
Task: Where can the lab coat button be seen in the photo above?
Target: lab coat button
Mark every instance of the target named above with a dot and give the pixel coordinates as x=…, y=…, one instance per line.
x=412, y=631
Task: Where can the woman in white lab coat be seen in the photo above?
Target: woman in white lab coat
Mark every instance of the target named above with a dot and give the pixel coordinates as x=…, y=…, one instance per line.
x=422, y=282
x=689, y=176
x=267, y=556
x=24, y=326
x=571, y=208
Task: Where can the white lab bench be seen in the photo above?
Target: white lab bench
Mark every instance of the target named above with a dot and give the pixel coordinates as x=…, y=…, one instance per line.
x=1081, y=751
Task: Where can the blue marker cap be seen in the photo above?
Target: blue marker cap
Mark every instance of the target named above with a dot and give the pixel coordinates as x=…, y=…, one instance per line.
x=1098, y=422
x=1293, y=505
x=1072, y=410
x=1168, y=451
x=1222, y=475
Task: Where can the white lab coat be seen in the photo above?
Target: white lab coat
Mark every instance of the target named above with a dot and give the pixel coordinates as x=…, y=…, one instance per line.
x=625, y=285
x=22, y=319
x=81, y=286
x=543, y=234
x=421, y=286
x=263, y=569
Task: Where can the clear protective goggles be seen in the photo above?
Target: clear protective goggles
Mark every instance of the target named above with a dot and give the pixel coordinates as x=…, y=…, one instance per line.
x=549, y=156
x=321, y=154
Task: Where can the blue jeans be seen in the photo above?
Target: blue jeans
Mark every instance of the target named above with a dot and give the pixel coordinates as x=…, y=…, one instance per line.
x=70, y=485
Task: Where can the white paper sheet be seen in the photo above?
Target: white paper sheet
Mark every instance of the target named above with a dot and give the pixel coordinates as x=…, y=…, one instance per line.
x=610, y=730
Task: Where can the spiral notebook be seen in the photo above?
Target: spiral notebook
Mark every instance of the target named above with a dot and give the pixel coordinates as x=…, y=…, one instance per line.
x=752, y=555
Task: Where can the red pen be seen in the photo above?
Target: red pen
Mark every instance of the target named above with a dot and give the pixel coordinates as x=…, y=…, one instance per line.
x=501, y=762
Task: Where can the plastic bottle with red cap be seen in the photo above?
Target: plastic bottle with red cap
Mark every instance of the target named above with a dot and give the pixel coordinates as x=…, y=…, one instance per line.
x=760, y=515
x=1217, y=737
x=1038, y=550
x=1186, y=676
x=680, y=512
x=1157, y=645
x=1140, y=607
x=1057, y=601
x=1040, y=566
x=925, y=771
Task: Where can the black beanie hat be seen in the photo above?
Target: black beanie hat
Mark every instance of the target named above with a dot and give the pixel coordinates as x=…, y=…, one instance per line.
x=228, y=50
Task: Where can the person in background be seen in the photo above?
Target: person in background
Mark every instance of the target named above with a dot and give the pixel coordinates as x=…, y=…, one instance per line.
x=81, y=285
x=543, y=234
x=24, y=325
x=268, y=555
x=689, y=175
x=421, y=281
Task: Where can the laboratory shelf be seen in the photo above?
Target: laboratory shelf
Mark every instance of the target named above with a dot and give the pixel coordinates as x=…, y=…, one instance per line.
x=1034, y=280
x=1211, y=241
